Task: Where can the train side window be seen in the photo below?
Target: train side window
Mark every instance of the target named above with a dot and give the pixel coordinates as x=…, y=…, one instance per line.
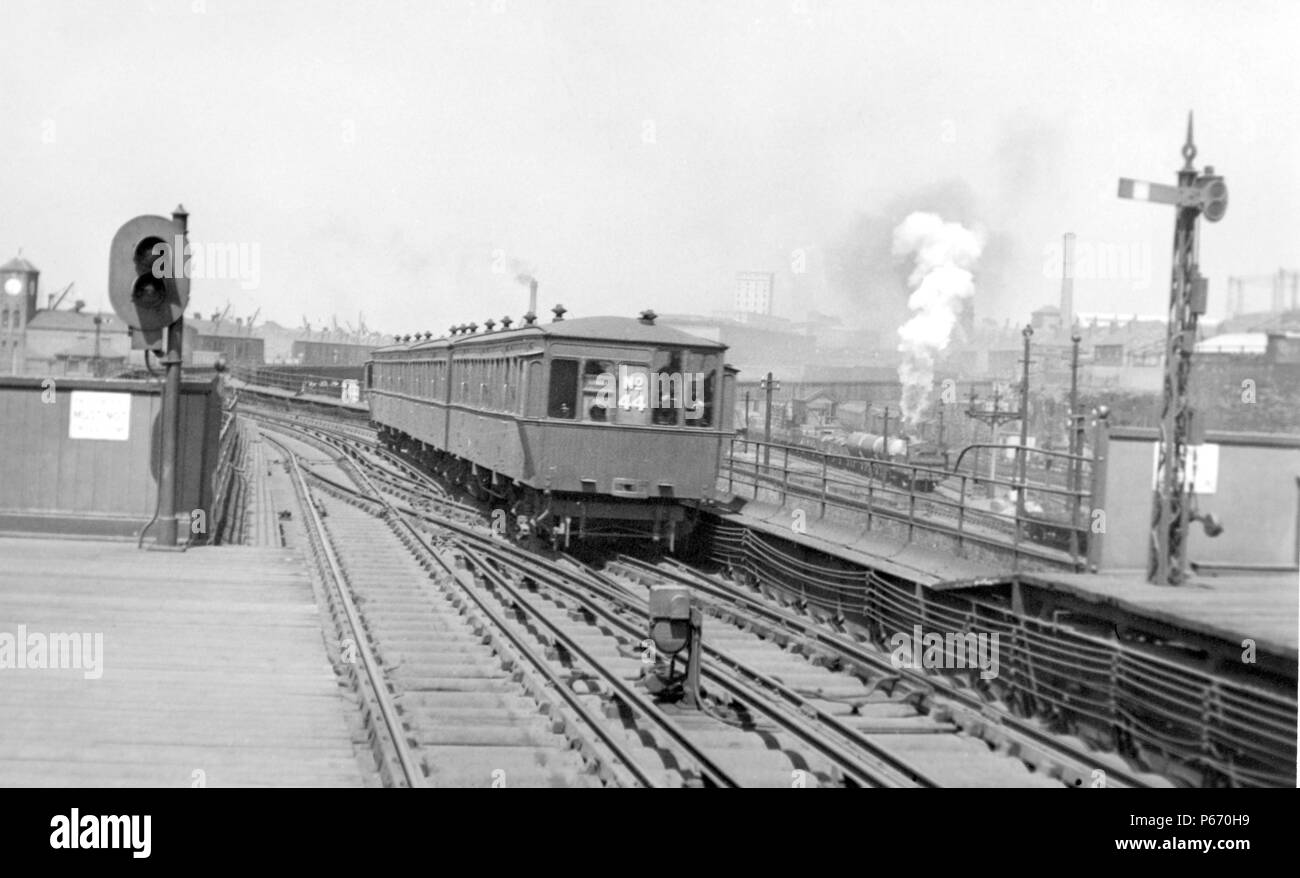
x=700, y=382
x=562, y=400
x=534, y=390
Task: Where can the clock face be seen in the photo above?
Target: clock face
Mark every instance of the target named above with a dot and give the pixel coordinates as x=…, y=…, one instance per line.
x=13, y=286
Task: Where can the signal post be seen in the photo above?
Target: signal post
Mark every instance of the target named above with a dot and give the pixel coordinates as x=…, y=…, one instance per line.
x=1195, y=195
x=148, y=284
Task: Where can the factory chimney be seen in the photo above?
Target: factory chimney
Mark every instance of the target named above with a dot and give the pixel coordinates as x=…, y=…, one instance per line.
x=1067, y=283
x=532, y=295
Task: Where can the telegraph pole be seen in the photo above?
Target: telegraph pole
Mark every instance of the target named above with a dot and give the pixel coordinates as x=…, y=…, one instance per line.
x=1195, y=194
x=1027, y=332
x=768, y=384
x=98, y=372
x=1075, y=445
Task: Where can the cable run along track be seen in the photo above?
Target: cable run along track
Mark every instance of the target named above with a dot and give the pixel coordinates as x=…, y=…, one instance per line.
x=556, y=648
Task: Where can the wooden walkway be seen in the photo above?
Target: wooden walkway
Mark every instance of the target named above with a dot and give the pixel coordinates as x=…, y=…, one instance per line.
x=213, y=670
x=1262, y=607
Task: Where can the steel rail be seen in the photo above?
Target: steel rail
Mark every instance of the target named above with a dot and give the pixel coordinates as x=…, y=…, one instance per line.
x=553, y=576
x=708, y=769
x=890, y=770
x=853, y=651
x=414, y=776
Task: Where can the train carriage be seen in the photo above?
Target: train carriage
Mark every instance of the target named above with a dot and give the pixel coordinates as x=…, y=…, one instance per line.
x=599, y=426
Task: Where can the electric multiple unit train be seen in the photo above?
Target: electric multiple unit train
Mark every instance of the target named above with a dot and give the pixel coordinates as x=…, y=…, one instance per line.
x=594, y=427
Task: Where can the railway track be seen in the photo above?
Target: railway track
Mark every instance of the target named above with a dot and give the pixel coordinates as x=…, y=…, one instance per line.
x=446, y=607
x=803, y=637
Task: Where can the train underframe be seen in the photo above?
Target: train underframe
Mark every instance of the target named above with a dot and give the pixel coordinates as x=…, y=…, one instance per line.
x=558, y=517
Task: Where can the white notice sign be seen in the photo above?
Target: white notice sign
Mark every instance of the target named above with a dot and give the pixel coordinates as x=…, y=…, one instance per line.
x=1202, y=475
x=94, y=415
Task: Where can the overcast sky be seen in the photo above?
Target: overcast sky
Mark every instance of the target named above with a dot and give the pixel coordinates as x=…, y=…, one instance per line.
x=405, y=160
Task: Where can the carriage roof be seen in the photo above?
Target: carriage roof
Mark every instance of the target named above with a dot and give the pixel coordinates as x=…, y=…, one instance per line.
x=620, y=330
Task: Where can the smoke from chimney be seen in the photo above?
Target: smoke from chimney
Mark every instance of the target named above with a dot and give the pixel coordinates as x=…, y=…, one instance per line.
x=943, y=254
x=525, y=278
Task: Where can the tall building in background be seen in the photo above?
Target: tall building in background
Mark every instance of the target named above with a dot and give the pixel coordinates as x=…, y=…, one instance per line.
x=754, y=292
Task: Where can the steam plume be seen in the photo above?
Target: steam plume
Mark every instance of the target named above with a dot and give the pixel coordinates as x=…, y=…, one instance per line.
x=941, y=280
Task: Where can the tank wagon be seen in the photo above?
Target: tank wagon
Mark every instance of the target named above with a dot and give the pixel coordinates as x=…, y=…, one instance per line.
x=888, y=459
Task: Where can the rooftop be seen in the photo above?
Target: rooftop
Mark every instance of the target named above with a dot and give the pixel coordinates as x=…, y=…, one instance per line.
x=18, y=263
x=1234, y=343
x=83, y=321
x=616, y=329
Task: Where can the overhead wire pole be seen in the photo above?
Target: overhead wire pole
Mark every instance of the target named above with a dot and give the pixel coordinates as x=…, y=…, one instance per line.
x=1075, y=445
x=1195, y=194
x=768, y=384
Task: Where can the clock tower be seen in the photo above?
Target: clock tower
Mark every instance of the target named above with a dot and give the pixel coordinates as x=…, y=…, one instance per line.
x=19, y=281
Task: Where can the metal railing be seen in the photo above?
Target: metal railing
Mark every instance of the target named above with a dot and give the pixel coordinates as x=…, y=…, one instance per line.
x=1113, y=691
x=300, y=383
x=1050, y=525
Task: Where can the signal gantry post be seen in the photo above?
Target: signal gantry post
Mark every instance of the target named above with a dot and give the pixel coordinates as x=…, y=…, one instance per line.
x=1195, y=194
x=994, y=417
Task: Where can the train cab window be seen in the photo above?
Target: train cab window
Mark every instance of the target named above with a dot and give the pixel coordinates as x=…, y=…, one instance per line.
x=563, y=397
x=633, y=394
x=701, y=378
x=665, y=391
x=599, y=396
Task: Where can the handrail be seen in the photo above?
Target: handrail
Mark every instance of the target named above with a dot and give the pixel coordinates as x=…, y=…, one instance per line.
x=922, y=498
